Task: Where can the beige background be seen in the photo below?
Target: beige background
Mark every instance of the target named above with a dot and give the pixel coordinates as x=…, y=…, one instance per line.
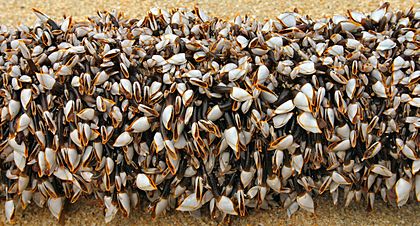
x=85, y=212
x=13, y=12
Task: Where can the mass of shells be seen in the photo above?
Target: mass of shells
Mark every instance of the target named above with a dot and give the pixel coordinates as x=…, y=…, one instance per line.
x=182, y=111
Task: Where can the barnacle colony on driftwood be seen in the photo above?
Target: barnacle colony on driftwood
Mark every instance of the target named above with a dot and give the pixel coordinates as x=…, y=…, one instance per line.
x=182, y=111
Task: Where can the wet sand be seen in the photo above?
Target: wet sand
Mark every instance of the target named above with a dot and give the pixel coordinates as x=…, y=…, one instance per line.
x=88, y=212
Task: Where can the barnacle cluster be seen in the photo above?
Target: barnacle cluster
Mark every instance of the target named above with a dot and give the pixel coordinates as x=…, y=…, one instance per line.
x=185, y=111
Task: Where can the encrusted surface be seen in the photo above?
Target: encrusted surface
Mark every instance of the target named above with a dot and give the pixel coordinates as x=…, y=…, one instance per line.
x=89, y=213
